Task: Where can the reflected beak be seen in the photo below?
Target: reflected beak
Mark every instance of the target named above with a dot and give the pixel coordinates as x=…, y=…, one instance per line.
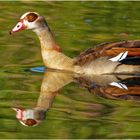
x=19, y=26
x=15, y=109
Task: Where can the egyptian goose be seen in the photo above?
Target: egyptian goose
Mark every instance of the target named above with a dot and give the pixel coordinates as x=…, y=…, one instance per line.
x=104, y=59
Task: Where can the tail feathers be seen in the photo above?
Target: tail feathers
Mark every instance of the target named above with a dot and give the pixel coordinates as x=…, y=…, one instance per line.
x=131, y=61
x=128, y=69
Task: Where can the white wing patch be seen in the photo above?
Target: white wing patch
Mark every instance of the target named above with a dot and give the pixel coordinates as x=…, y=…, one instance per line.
x=119, y=57
x=119, y=85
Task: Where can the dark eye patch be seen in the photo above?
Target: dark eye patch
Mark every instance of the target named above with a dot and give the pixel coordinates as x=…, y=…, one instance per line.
x=32, y=17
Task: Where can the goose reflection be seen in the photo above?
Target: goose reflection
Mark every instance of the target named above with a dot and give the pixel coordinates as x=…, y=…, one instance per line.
x=107, y=86
x=112, y=86
x=52, y=82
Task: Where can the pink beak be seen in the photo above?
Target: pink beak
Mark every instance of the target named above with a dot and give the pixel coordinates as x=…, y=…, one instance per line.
x=19, y=113
x=19, y=26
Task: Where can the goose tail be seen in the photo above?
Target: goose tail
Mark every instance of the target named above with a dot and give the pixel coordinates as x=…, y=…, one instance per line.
x=128, y=69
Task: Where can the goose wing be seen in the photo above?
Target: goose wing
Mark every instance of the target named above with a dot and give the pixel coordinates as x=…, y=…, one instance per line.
x=131, y=49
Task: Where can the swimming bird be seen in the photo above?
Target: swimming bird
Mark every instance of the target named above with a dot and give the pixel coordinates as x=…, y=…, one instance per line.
x=107, y=58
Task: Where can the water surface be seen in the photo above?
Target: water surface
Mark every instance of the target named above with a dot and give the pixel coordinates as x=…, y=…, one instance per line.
x=80, y=108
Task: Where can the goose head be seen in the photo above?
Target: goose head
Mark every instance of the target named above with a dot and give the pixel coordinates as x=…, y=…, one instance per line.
x=29, y=117
x=29, y=20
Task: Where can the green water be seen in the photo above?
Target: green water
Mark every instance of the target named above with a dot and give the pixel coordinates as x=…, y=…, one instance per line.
x=75, y=113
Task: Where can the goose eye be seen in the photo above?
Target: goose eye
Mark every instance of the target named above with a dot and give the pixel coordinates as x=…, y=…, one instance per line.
x=31, y=17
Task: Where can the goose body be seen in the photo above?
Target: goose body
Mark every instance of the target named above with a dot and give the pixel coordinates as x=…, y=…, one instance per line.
x=99, y=60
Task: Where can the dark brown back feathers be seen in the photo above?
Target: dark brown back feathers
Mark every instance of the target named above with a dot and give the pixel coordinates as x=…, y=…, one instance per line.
x=109, y=49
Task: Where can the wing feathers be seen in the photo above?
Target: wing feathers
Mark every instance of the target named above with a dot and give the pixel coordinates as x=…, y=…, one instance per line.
x=119, y=57
x=110, y=50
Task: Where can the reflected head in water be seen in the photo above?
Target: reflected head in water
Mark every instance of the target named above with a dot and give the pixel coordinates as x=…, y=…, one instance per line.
x=29, y=117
